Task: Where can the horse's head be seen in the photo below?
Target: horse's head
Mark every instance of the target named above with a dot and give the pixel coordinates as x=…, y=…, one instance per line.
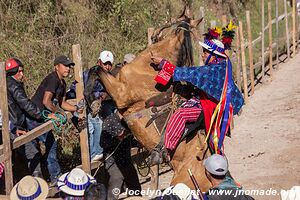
x=182, y=29
x=173, y=42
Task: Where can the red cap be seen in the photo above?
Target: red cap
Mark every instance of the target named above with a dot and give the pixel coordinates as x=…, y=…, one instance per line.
x=12, y=65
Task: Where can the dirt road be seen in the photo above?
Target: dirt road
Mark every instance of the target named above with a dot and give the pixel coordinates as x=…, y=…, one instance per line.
x=263, y=152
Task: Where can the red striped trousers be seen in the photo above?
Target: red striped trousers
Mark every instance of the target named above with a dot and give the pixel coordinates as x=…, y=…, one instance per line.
x=177, y=123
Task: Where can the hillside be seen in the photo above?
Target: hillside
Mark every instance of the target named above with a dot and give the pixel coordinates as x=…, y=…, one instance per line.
x=36, y=31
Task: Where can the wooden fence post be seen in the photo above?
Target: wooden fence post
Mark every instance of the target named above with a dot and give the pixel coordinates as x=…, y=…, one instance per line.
x=5, y=131
x=238, y=60
x=270, y=40
x=287, y=31
x=294, y=27
x=154, y=170
x=201, y=27
x=84, y=144
x=297, y=29
x=250, y=51
x=150, y=33
x=262, y=40
x=243, y=63
x=277, y=35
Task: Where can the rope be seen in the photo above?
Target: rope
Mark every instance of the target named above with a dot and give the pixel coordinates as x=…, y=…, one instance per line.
x=57, y=123
x=141, y=162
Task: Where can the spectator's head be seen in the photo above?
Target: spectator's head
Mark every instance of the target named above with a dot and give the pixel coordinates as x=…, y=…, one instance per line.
x=74, y=183
x=106, y=60
x=95, y=192
x=62, y=66
x=14, y=67
x=30, y=187
x=216, y=167
x=128, y=58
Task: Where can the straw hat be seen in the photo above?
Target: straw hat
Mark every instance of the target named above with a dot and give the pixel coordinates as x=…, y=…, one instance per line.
x=29, y=188
x=75, y=182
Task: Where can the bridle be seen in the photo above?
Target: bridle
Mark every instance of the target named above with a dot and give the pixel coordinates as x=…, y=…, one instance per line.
x=174, y=26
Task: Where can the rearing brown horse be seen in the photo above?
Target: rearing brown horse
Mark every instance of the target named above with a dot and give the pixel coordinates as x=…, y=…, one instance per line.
x=135, y=84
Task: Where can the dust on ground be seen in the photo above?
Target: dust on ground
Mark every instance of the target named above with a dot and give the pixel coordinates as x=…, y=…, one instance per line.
x=263, y=150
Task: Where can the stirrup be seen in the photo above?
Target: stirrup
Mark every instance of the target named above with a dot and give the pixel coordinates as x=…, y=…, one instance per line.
x=159, y=156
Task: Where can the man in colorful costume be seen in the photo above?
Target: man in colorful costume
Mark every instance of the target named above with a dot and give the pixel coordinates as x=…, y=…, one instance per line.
x=218, y=98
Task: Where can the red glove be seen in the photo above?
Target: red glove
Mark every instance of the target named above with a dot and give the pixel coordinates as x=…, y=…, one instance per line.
x=164, y=76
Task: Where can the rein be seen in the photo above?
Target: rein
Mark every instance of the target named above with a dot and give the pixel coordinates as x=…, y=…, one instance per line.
x=155, y=38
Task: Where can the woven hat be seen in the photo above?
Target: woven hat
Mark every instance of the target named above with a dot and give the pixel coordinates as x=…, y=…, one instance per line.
x=30, y=188
x=215, y=46
x=75, y=182
x=217, y=39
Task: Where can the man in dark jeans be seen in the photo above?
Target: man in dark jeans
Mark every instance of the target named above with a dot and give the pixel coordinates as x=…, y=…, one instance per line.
x=118, y=164
x=20, y=105
x=50, y=92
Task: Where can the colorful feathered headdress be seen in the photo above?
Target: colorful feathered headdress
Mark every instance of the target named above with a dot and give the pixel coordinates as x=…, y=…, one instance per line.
x=217, y=39
x=228, y=35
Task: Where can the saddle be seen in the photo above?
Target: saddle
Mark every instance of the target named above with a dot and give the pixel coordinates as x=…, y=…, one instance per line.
x=161, y=108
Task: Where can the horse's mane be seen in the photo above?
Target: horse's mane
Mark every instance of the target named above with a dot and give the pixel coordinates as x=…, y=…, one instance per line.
x=185, y=56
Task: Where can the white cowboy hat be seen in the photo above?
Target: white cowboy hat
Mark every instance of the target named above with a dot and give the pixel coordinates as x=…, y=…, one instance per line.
x=75, y=182
x=293, y=193
x=208, y=44
x=30, y=187
x=181, y=190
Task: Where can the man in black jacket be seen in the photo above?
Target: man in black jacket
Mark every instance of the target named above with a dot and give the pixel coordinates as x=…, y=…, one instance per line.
x=19, y=105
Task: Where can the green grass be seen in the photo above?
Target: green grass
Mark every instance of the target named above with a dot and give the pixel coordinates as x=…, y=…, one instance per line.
x=37, y=31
